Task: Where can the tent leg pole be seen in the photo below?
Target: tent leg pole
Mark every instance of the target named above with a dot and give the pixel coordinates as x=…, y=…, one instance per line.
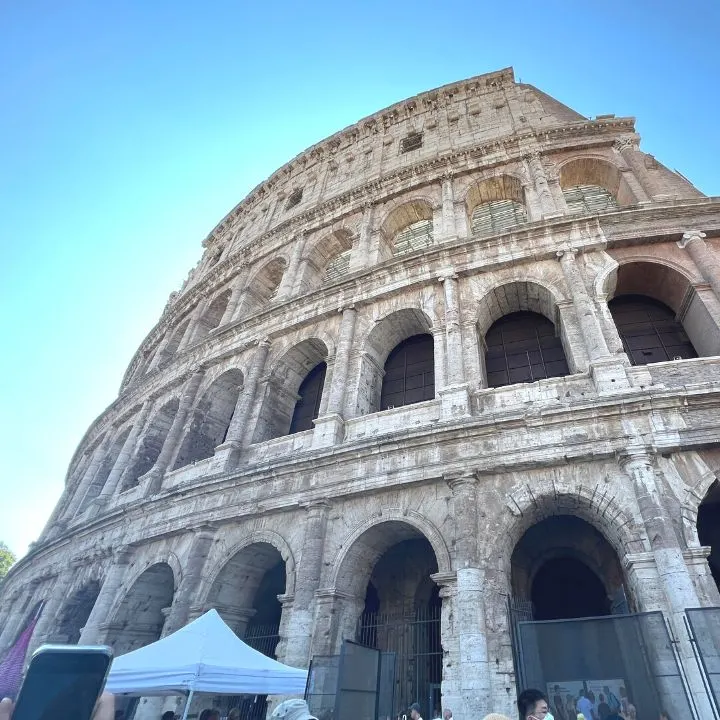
x=187, y=705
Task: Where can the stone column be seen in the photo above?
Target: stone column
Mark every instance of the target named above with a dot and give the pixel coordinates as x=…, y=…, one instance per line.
x=474, y=686
x=290, y=276
x=238, y=286
x=449, y=228
x=542, y=187
x=438, y=333
x=92, y=634
x=644, y=186
x=329, y=429
x=49, y=616
x=227, y=454
x=121, y=463
x=172, y=439
x=193, y=325
x=455, y=397
x=192, y=577
x=360, y=258
x=308, y=570
x=678, y=588
x=707, y=263
x=87, y=478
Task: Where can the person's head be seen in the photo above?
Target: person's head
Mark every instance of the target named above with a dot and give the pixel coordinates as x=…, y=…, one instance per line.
x=447, y=714
x=168, y=715
x=414, y=711
x=532, y=704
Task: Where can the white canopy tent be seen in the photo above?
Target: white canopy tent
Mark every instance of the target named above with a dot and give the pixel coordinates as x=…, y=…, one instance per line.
x=204, y=656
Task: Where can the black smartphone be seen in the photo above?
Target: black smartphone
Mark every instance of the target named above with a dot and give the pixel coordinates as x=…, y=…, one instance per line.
x=63, y=682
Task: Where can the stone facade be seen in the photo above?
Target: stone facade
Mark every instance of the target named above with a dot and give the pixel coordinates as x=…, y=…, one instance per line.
x=189, y=493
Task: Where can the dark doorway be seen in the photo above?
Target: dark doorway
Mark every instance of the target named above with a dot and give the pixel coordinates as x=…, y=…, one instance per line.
x=566, y=588
x=708, y=527
x=649, y=331
x=307, y=407
x=409, y=373
x=523, y=347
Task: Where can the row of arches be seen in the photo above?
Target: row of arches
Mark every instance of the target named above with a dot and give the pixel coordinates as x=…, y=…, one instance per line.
x=560, y=564
x=493, y=205
x=521, y=339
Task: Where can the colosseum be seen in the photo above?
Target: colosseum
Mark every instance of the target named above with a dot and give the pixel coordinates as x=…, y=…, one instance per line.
x=449, y=375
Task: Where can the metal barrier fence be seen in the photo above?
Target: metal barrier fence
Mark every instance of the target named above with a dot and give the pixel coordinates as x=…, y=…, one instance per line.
x=616, y=661
x=703, y=626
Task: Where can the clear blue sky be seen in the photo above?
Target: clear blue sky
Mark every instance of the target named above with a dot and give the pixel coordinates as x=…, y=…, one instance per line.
x=129, y=128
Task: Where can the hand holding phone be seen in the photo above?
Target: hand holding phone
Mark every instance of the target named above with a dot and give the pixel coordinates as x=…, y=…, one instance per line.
x=64, y=682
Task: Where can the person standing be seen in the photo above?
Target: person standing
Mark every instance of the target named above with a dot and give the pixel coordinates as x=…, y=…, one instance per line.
x=585, y=706
x=533, y=705
x=447, y=714
x=415, y=712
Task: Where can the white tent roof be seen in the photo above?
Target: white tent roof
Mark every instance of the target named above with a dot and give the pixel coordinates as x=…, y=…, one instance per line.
x=204, y=656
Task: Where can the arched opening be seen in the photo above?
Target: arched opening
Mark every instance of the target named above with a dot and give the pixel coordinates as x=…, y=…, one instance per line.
x=566, y=569
x=212, y=317
x=106, y=466
x=388, y=571
x=285, y=397
x=708, y=527
x=151, y=445
x=408, y=228
x=409, y=373
x=307, y=407
x=523, y=347
x=75, y=614
x=211, y=419
x=495, y=205
x=262, y=287
x=591, y=185
x=658, y=314
x=649, y=330
x=140, y=618
x=169, y=351
x=380, y=384
x=328, y=259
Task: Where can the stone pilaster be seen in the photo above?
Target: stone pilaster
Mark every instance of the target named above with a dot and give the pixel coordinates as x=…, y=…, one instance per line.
x=641, y=182
x=92, y=632
x=193, y=325
x=539, y=177
x=292, y=273
x=300, y=622
x=360, y=258
x=227, y=454
x=192, y=576
x=172, y=439
x=454, y=396
x=120, y=468
x=674, y=579
x=236, y=292
x=705, y=260
x=449, y=228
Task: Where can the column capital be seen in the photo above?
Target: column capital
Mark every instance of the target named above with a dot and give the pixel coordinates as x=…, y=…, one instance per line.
x=689, y=236
x=317, y=505
x=123, y=555
x=633, y=456
x=568, y=253
x=206, y=530
x=456, y=481
x=625, y=142
x=449, y=275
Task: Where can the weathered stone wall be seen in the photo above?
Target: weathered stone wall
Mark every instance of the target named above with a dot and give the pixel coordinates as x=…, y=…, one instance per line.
x=155, y=526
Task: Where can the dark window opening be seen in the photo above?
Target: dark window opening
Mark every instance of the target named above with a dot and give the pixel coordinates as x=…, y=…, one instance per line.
x=413, y=141
x=523, y=347
x=294, y=198
x=307, y=407
x=708, y=528
x=409, y=373
x=649, y=331
x=566, y=588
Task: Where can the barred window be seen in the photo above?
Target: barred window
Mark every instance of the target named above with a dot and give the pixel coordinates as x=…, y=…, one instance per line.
x=414, y=237
x=409, y=373
x=498, y=215
x=413, y=141
x=589, y=199
x=337, y=267
x=649, y=331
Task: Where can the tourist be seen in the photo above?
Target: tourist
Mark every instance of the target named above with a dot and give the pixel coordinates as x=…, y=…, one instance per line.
x=447, y=714
x=559, y=706
x=415, y=712
x=612, y=700
x=533, y=705
x=585, y=706
x=603, y=709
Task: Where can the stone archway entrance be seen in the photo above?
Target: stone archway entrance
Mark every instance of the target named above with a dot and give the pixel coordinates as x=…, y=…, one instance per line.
x=708, y=527
x=563, y=568
x=388, y=571
x=76, y=613
x=245, y=594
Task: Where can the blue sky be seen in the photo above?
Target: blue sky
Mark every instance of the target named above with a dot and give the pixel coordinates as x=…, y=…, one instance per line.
x=129, y=128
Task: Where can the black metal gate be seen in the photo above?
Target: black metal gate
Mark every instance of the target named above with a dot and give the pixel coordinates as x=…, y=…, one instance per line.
x=616, y=661
x=704, y=628
x=412, y=645
x=264, y=639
